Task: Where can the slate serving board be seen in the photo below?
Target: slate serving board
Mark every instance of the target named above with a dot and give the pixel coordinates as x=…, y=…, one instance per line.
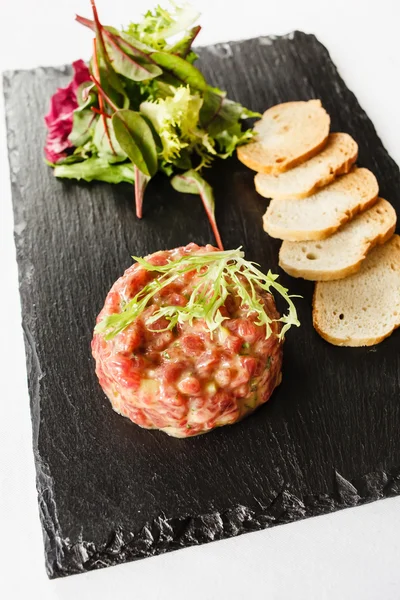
x=111, y=492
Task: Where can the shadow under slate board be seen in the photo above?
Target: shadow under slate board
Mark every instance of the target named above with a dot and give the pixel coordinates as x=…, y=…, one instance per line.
x=110, y=492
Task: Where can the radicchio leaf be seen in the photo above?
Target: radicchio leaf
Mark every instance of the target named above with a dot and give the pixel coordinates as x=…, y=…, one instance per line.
x=59, y=119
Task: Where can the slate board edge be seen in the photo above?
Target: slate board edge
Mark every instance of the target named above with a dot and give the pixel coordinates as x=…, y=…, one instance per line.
x=166, y=534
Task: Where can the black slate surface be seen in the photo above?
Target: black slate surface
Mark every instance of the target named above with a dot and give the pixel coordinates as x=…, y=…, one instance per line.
x=111, y=492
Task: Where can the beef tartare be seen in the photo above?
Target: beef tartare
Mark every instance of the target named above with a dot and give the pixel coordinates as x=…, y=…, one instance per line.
x=190, y=339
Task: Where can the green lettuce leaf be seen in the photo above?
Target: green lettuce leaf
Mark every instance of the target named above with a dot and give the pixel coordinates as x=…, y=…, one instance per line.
x=229, y=113
x=232, y=137
x=99, y=169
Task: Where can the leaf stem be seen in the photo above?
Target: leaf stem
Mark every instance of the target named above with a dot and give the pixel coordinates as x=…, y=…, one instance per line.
x=117, y=39
x=103, y=94
x=213, y=223
x=95, y=14
x=85, y=22
x=141, y=181
x=196, y=31
x=101, y=102
x=99, y=30
x=99, y=112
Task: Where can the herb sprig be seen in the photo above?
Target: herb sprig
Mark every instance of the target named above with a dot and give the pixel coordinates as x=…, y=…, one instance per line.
x=219, y=274
x=145, y=108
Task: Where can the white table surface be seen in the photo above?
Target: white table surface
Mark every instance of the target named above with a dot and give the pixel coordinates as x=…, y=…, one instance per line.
x=352, y=554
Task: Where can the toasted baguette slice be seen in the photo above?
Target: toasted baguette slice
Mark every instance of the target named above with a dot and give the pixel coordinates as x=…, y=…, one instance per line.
x=336, y=158
x=287, y=135
x=321, y=214
x=362, y=309
x=341, y=254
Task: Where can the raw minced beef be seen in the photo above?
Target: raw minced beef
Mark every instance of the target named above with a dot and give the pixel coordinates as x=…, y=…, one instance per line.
x=185, y=381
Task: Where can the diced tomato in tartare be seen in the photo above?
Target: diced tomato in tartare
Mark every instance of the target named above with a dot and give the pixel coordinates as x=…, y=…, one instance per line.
x=185, y=381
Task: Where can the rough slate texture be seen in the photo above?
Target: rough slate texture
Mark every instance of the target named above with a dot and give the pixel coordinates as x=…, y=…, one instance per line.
x=110, y=492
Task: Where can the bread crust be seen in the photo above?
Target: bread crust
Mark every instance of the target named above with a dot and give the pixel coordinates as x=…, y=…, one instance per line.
x=351, y=341
x=300, y=235
x=319, y=275
x=342, y=169
x=253, y=155
x=309, y=236
x=256, y=165
x=273, y=156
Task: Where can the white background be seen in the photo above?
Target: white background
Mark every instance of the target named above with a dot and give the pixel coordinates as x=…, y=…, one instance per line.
x=352, y=554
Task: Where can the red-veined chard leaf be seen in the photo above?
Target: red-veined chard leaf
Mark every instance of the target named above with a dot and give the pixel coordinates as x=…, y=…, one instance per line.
x=111, y=79
x=134, y=68
x=83, y=124
x=136, y=139
x=132, y=41
x=102, y=95
x=212, y=102
x=106, y=142
x=86, y=22
x=191, y=182
x=178, y=69
x=116, y=98
x=130, y=45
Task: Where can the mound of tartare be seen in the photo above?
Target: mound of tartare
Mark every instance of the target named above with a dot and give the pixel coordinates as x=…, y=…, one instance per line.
x=190, y=339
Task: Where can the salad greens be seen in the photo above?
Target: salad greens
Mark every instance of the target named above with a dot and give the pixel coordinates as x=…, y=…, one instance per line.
x=143, y=107
x=219, y=274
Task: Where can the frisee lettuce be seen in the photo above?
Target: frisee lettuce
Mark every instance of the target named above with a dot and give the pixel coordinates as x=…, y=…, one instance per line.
x=218, y=275
x=175, y=119
x=159, y=25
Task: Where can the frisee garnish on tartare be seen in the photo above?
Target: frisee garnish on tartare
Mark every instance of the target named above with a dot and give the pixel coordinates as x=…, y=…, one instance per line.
x=219, y=274
x=142, y=107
